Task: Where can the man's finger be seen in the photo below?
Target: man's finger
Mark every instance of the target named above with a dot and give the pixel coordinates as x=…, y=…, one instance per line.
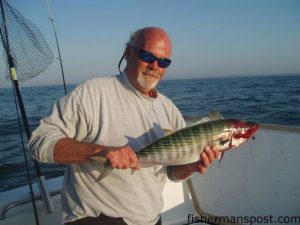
x=112, y=158
x=204, y=159
x=209, y=153
x=124, y=158
x=133, y=159
x=202, y=169
x=216, y=152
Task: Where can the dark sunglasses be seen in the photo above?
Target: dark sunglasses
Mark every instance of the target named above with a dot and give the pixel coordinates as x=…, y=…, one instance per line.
x=148, y=57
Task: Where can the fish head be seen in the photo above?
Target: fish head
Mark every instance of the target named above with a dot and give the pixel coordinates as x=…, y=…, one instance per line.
x=241, y=132
x=236, y=133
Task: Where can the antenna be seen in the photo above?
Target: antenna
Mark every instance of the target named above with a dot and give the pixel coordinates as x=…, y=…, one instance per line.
x=58, y=49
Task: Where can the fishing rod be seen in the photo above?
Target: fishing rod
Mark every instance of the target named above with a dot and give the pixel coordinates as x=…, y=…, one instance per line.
x=17, y=95
x=11, y=44
x=58, y=49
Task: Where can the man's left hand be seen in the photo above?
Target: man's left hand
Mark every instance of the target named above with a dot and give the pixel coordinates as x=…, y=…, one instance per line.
x=206, y=158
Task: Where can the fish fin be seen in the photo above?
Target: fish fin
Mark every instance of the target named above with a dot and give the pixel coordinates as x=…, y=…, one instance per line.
x=106, y=170
x=167, y=132
x=212, y=116
x=133, y=171
x=103, y=173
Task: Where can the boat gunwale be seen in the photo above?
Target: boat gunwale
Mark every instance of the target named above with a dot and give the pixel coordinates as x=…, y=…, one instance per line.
x=265, y=126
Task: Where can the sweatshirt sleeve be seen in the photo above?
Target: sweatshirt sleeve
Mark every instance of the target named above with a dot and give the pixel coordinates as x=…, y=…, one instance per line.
x=68, y=119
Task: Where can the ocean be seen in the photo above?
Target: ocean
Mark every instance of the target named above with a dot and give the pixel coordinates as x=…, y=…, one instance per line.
x=262, y=99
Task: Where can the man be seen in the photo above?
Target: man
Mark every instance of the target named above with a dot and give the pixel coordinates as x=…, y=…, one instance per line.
x=115, y=117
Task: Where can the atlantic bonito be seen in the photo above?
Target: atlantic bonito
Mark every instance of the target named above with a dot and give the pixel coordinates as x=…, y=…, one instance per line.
x=185, y=146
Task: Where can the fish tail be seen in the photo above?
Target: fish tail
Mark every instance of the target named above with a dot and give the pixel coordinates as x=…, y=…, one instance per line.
x=103, y=173
x=106, y=170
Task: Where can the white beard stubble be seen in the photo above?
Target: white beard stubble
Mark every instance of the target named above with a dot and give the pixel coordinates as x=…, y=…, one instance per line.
x=148, y=82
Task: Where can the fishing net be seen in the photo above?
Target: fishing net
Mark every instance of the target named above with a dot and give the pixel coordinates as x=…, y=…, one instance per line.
x=30, y=52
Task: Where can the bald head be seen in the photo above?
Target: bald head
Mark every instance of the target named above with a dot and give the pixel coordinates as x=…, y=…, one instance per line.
x=151, y=34
x=144, y=74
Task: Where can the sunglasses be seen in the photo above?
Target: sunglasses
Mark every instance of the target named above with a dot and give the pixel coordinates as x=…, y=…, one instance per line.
x=148, y=57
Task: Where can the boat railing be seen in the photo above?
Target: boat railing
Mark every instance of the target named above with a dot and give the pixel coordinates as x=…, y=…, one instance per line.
x=26, y=201
x=45, y=195
x=199, y=209
x=259, y=181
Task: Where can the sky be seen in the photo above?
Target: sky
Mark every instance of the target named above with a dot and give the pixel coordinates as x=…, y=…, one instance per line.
x=211, y=38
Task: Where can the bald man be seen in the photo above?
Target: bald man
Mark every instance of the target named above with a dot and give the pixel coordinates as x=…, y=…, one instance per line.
x=114, y=117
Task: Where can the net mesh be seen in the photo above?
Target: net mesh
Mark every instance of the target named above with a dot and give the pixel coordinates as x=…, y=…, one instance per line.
x=30, y=52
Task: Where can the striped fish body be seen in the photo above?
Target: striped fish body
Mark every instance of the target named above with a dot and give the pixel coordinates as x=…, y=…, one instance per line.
x=186, y=145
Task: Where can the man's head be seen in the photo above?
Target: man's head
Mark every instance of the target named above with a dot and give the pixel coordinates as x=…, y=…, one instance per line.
x=147, y=54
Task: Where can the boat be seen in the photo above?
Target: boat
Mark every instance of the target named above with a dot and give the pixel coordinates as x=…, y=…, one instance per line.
x=258, y=183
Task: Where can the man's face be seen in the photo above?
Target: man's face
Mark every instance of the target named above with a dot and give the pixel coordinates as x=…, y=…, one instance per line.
x=145, y=76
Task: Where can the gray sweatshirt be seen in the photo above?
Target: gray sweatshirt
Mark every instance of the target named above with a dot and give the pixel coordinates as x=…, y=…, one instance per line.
x=110, y=112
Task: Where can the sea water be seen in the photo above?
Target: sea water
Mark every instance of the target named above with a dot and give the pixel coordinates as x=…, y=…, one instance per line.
x=262, y=99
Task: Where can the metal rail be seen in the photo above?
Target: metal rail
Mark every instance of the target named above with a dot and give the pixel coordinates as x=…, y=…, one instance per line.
x=266, y=126
x=201, y=212
x=23, y=202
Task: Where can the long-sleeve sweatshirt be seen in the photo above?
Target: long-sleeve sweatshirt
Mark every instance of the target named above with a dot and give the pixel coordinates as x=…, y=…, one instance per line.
x=110, y=112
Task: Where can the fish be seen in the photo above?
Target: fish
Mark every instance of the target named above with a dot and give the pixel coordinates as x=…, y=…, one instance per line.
x=185, y=145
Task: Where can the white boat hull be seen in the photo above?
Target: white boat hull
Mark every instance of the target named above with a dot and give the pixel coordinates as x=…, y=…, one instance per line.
x=260, y=178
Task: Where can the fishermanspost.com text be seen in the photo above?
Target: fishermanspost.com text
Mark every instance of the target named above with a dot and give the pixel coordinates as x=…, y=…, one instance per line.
x=268, y=219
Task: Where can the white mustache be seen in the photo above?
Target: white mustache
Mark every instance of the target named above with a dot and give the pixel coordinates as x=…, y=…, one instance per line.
x=156, y=74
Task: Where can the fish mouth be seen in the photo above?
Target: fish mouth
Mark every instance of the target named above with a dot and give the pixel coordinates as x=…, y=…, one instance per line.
x=255, y=128
x=247, y=131
x=251, y=131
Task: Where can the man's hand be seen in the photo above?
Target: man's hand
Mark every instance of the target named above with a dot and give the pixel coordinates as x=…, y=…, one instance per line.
x=121, y=157
x=209, y=154
x=206, y=158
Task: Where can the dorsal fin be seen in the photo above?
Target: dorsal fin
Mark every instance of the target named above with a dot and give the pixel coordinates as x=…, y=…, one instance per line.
x=212, y=116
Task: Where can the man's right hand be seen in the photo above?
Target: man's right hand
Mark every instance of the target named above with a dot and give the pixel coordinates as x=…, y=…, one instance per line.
x=67, y=150
x=121, y=157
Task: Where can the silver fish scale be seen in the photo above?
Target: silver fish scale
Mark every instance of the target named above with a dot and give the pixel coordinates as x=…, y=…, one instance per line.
x=185, y=143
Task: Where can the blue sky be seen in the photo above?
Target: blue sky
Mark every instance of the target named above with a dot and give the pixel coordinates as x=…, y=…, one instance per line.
x=211, y=38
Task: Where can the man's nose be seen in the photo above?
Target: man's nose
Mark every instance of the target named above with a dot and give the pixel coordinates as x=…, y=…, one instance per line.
x=154, y=65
